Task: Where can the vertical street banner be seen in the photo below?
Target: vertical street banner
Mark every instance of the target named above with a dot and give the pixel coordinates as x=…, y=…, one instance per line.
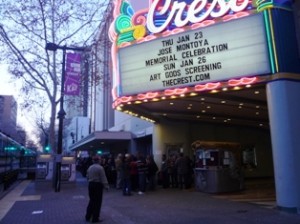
x=72, y=83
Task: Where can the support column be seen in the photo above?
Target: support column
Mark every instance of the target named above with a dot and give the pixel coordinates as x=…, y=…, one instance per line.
x=284, y=113
x=157, y=144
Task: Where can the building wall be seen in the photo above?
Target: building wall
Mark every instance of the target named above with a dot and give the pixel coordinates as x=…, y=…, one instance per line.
x=8, y=115
x=100, y=108
x=73, y=106
x=92, y=110
x=125, y=122
x=77, y=130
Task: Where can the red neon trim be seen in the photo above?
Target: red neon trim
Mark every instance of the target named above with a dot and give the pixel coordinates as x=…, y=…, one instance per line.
x=125, y=44
x=242, y=81
x=151, y=95
x=229, y=17
x=181, y=91
x=125, y=99
x=148, y=95
x=177, y=30
x=150, y=37
x=207, y=86
x=169, y=92
x=234, y=82
x=247, y=81
x=200, y=87
x=166, y=33
x=211, y=85
x=141, y=96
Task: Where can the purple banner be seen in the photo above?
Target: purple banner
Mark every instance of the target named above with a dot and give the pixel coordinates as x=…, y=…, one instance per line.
x=73, y=70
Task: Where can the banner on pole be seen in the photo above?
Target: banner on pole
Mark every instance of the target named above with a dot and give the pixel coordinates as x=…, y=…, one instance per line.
x=73, y=70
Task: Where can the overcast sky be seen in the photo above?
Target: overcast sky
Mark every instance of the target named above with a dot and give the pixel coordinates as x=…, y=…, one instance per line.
x=6, y=86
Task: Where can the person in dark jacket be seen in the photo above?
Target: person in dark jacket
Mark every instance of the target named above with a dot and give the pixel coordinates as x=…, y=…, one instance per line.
x=182, y=165
x=152, y=170
x=134, y=174
x=165, y=176
x=126, y=175
x=142, y=172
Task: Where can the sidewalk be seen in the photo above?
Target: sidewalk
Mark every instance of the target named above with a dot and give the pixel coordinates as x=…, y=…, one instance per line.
x=38, y=204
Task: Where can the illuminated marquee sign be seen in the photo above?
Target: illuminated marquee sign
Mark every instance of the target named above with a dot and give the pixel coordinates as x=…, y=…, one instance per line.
x=134, y=34
x=219, y=52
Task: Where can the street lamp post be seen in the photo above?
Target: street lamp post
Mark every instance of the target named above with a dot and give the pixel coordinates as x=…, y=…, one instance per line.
x=61, y=113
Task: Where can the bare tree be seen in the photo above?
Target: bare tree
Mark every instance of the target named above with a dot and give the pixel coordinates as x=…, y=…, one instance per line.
x=26, y=27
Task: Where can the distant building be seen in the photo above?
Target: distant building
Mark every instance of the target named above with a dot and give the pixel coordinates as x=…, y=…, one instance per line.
x=8, y=115
x=21, y=136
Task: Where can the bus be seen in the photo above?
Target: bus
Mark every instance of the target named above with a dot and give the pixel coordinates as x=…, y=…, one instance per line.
x=14, y=159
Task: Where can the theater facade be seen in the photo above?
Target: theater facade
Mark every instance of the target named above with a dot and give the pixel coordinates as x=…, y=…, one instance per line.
x=214, y=70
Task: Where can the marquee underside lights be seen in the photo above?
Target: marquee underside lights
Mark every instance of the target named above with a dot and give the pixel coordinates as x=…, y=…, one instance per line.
x=174, y=93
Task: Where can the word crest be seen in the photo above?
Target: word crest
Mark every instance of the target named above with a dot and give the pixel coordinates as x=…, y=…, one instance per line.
x=181, y=14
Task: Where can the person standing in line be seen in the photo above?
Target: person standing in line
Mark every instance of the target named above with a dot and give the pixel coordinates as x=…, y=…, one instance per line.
x=85, y=165
x=152, y=170
x=97, y=181
x=119, y=164
x=126, y=175
x=134, y=178
x=112, y=175
x=142, y=172
x=182, y=171
x=173, y=171
x=190, y=171
x=165, y=172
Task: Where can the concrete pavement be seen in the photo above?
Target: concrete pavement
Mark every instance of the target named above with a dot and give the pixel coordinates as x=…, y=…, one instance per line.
x=36, y=203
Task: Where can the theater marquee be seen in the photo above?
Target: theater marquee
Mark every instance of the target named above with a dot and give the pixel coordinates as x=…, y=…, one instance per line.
x=219, y=52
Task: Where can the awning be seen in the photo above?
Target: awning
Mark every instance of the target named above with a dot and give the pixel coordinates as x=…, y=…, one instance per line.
x=97, y=138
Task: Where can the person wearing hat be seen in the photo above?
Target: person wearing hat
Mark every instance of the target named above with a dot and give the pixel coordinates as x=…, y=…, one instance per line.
x=97, y=181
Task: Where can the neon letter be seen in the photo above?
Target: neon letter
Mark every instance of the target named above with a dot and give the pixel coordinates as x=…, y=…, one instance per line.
x=216, y=9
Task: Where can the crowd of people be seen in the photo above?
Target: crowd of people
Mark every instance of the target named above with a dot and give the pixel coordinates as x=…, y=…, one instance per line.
x=177, y=171
x=131, y=173
x=139, y=173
